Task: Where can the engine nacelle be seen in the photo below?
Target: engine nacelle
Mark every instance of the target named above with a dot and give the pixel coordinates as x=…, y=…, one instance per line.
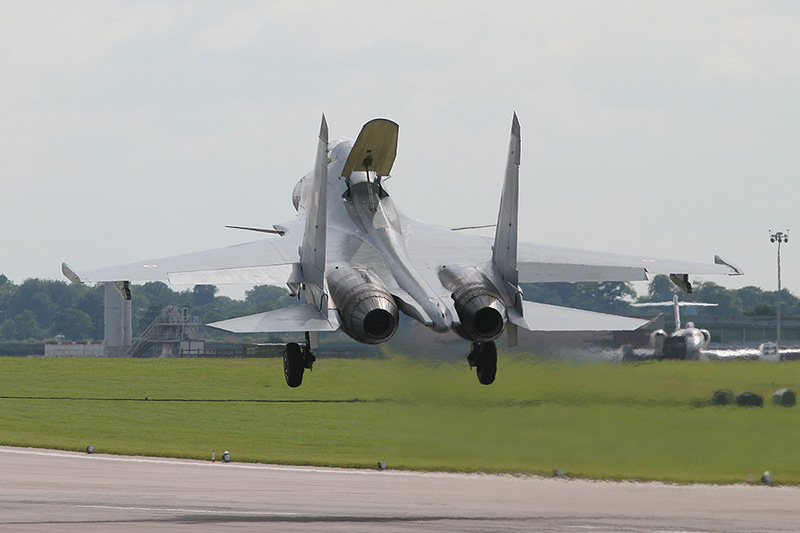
x=480, y=308
x=299, y=191
x=368, y=313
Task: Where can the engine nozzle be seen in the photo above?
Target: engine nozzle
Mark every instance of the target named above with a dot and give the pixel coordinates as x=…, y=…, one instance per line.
x=367, y=311
x=481, y=311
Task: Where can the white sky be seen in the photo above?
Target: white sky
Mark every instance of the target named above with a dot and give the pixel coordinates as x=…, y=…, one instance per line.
x=133, y=130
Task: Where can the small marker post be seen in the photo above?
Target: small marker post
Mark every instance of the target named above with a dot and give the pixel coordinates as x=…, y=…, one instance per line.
x=214, y=458
x=750, y=478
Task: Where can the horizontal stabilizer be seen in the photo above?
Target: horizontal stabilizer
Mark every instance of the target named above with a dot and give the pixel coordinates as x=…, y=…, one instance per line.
x=302, y=318
x=375, y=148
x=544, y=317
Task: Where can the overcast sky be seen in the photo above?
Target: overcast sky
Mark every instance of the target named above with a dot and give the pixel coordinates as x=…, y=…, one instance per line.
x=135, y=130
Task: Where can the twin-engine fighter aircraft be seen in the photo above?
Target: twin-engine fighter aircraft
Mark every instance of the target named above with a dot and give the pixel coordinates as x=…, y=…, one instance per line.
x=357, y=263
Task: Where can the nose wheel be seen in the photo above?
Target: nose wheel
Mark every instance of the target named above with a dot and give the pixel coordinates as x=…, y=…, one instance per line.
x=296, y=359
x=483, y=357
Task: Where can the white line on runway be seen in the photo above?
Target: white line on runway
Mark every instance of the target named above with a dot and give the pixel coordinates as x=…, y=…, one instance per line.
x=637, y=530
x=252, y=466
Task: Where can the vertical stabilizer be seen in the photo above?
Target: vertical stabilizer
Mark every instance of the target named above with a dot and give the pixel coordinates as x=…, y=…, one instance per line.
x=677, y=310
x=312, y=252
x=504, y=254
x=504, y=251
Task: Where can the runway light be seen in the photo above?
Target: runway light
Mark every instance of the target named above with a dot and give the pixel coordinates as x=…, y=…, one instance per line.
x=381, y=465
x=90, y=449
x=559, y=473
x=766, y=479
x=226, y=457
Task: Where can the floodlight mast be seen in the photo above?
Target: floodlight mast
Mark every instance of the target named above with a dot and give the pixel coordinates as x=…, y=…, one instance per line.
x=779, y=237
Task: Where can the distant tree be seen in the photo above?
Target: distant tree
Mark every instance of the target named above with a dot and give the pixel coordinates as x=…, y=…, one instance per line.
x=3, y=280
x=548, y=293
x=752, y=297
x=157, y=291
x=728, y=302
x=763, y=310
x=605, y=297
x=790, y=305
x=8, y=330
x=61, y=293
x=267, y=297
x=26, y=327
x=661, y=289
x=203, y=295
x=92, y=302
x=148, y=316
x=74, y=324
x=33, y=296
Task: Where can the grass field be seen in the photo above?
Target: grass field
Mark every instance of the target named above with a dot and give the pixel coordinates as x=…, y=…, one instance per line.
x=647, y=421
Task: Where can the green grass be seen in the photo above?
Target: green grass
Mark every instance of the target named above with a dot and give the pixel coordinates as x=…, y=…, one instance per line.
x=646, y=421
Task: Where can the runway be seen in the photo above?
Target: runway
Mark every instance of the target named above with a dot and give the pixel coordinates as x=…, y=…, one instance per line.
x=45, y=490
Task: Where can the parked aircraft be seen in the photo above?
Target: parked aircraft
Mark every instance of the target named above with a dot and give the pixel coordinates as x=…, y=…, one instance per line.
x=683, y=343
x=356, y=262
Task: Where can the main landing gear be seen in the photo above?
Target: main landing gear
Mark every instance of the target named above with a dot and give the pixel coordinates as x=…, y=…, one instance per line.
x=296, y=359
x=483, y=356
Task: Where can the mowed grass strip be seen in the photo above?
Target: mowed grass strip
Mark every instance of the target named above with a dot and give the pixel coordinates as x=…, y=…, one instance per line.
x=595, y=420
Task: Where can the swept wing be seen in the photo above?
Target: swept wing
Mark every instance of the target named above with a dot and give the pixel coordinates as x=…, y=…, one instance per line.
x=267, y=261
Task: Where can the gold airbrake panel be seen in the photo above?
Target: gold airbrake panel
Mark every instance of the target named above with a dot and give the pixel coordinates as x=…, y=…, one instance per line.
x=375, y=148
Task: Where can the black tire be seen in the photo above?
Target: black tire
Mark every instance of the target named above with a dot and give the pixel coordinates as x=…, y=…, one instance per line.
x=486, y=363
x=293, y=364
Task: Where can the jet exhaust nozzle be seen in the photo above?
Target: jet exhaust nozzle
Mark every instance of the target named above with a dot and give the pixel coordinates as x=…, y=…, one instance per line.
x=367, y=311
x=481, y=311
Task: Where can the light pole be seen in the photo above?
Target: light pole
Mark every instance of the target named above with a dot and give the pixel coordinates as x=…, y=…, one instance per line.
x=780, y=237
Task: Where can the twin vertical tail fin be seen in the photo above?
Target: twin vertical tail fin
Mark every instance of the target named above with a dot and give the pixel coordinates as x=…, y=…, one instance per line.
x=312, y=251
x=313, y=316
x=676, y=311
x=504, y=252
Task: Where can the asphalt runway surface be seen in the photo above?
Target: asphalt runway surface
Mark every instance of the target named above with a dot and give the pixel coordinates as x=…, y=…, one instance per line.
x=46, y=490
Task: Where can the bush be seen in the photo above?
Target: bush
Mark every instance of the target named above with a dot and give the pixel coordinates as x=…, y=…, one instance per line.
x=783, y=397
x=21, y=348
x=749, y=399
x=722, y=397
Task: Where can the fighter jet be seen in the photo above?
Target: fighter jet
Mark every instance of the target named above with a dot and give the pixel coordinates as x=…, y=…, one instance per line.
x=356, y=262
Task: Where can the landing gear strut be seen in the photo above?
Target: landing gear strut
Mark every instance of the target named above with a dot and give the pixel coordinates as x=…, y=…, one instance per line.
x=483, y=356
x=296, y=359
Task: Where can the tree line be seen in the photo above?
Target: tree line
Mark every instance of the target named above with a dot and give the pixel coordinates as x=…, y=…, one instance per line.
x=40, y=309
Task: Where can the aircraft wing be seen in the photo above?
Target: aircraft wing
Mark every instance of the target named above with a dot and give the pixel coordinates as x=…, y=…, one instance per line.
x=549, y=263
x=434, y=246
x=544, y=317
x=268, y=261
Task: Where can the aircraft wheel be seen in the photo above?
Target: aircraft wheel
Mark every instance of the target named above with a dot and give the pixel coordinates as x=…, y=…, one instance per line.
x=486, y=363
x=293, y=364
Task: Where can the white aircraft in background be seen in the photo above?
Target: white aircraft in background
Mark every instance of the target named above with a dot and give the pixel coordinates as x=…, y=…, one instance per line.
x=357, y=262
x=683, y=343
